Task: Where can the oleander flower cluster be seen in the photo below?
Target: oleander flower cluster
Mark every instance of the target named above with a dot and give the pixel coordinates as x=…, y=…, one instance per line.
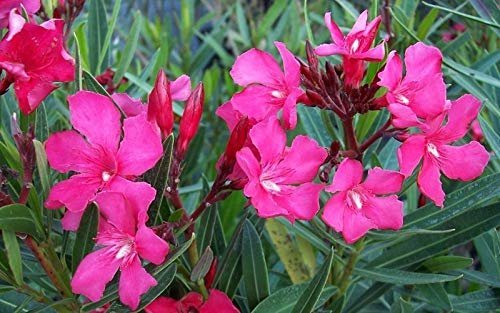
x=115, y=141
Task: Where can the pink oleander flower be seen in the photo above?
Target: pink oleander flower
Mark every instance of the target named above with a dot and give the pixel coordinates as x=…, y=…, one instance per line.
x=217, y=302
x=130, y=106
x=123, y=237
x=94, y=152
x=360, y=206
x=355, y=47
x=280, y=178
x=268, y=89
x=422, y=89
x=432, y=144
x=6, y=6
x=160, y=107
x=34, y=58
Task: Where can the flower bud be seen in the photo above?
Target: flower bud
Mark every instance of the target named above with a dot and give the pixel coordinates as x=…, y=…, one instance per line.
x=160, y=104
x=190, y=120
x=236, y=142
x=209, y=278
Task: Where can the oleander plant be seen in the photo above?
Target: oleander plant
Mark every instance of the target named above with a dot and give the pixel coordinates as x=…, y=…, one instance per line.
x=249, y=156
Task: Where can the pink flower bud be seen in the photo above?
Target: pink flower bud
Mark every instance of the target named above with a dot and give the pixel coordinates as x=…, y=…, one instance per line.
x=160, y=104
x=236, y=141
x=190, y=120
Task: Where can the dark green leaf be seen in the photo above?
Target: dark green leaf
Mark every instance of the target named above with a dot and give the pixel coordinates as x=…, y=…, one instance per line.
x=479, y=277
x=87, y=231
x=254, y=266
x=18, y=218
x=392, y=276
x=203, y=266
x=436, y=295
x=479, y=301
x=130, y=47
x=308, y=299
x=97, y=27
x=401, y=306
x=447, y=263
x=14, y=255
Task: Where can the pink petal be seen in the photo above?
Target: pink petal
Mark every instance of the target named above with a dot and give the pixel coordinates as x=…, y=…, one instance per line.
x=290, y=65
x=218, y=302
x=270, y=150
x=360, y=24
x=385, y=212
x=349, y=174
x=256, y=66
x=383, y=182
x=130, y=106
x=335, y=32
x=229, y=115
x=140, y=148
x=181, y=88
x=430, y=99
x=422, y=61
x=265, y=204
x=465, y=162
x=330, y=49
x=162, y=305
x=150, y=246
x=429, y=181
x=74, y=193
x=375, y=54
x=403, y=116
x=410, y=153
x=463, y=111
x=305, y=156
x=16, y=23
x=139, y=195
x=257, y=102
x=96, y=117
x=31, y=93
x=114, y=208
x=302, y=203
x=333, y=213
x=356, y=225
x=94, y=272
x=248, y=163
x=290, y=109
x=67, y=151
x=134, y=282
x=390, y=77
x=71, y=220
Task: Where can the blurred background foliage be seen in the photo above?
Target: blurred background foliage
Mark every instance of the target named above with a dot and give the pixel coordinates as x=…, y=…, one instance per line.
x=202, y=38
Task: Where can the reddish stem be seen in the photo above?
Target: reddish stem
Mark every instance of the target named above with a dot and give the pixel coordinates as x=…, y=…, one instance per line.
x=379, y=133
x=350, y=136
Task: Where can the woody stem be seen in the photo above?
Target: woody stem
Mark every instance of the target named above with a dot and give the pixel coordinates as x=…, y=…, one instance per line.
x=350, y=136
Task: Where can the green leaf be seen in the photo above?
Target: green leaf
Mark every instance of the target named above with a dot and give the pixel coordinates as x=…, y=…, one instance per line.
x=479, y=277
x=436, y=295
x=309, y=118
x=242, y=22
x=41, y=166
x=308, y=299
x=90, y=83
x=206, y=229
x=254, y=267
x=130, y=47
x=426, y=24
x=158, y=177
x=97, y=27
x=272, y=14
x=447, y=263
x=203, y=265
x=78, y=65
x=401, y=306
x=488, y=249
x=283, y=300
x=14, y=255
x=398, y=277
x=18, y=218
x=479, y=301
x=109, y=33
x=87, y=231
x=464, y=15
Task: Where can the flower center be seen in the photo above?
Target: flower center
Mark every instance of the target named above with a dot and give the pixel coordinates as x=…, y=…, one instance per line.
x=402, y=99
x=355, y=46
x=270, y=186
x=124, y=251
x=354, y=199
x=433, y=150
x=106, y=176
x=278, y=94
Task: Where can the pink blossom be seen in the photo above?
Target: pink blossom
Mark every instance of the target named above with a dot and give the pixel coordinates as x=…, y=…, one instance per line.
x=355, y=47
x=279, y=178
x=123, y=237
x=360, y=206
x=34, y=58
x=229, y=114
x=217, y=302
x=94, y=151
x=6, y=6
x=268, y=89
x=130, y=106
x=432, y=144
x=422, y=89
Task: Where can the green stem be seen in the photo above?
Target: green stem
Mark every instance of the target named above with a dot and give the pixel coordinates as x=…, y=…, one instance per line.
x=345, y=279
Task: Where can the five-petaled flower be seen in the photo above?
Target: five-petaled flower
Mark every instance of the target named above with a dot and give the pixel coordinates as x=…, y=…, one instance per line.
x=422, y=90
x=464, y=163
x=280, y=178
x=268, y=89
x=94, y=151
x=34, y=58
x=360, y=206
x=355, y=47
x=124, y=237
x=193, y=302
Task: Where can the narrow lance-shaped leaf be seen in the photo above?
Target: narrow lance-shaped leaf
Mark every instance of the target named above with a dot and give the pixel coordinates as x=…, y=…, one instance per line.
x=87, y=231
x=392, y=276
x=14, y=255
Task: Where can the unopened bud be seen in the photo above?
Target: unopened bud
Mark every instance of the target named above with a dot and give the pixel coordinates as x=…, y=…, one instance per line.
x=160, y=104
x=190, y=120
